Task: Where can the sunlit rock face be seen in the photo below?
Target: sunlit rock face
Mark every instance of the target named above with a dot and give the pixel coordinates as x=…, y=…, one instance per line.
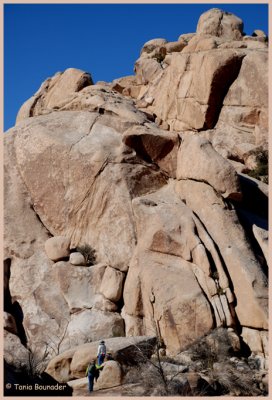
x=126, y=213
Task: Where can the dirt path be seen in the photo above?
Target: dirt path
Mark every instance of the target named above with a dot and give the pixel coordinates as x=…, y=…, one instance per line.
x=124, y=390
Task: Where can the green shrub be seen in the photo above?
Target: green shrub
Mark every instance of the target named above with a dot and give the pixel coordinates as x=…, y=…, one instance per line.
x=261, y=170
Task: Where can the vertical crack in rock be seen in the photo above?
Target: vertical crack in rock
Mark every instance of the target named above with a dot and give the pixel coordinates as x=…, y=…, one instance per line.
x=222, y=80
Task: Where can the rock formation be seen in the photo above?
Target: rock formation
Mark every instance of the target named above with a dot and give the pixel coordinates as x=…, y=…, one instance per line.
x=145, y=172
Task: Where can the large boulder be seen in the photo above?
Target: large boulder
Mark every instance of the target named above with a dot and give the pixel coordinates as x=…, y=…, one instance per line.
x=73, y=363
x=197, y=100
x=174, y=249
x=90, y=325
x=198, y=160
x=80, y=286
x=92, y=158
x=112, y=284
x=84, y=194
x=220, y=23
x=244, y=114
x=53, y=91
x=15, y=353
x=244, y=270
x=57, y=247
x=161, y=288
x=110, y=376
x=153, y=144
x=31, y=285
x=216, y=84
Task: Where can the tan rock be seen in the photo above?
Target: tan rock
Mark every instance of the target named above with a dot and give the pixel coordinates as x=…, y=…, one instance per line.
x=112, y=284
x=152, y=44
x=220, y=23
x=59, y=367
x=166, y=231
x=91, y=325
x=259, y=33
x=78, y=384
x=133, y=91
x=15, y=353
x=248, y=280
x=154, y=144
x=186, y=37
x=10, y=323
x=80, y=287
x=173, y=47
x=255, y=340
x=100, y=182
x=72, y=363
x=146, y=70
x=133, y=325
x=261, y=236
x=207, y=166
x=247, y=91
x=197, y=101
x=31, y=283
x=201, y=43
x=57, y=247
x=244, y=111
x=77, y=258
x=110, y=376
x=53, y=91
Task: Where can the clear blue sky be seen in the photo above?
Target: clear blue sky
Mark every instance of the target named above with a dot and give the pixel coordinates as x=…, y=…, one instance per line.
x=103, y=39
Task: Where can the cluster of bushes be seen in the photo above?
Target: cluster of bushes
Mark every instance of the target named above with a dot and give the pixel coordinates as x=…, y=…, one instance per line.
x=211, y=366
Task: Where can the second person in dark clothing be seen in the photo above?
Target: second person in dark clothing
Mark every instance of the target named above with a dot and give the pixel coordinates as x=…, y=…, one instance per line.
x=92, y=374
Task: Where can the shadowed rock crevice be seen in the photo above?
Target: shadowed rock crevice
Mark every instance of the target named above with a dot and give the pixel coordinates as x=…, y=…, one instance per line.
x=220, y=85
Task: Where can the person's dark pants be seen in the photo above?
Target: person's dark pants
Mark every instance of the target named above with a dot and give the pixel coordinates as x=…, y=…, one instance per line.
x=91, y=381
x=100, y=359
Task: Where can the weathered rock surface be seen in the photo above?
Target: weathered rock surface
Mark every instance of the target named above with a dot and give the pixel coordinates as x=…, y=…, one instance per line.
x=80, y=286
x=112, y=284
x=220, y=23
x=154, y=145
x=256, y=340
x=14, y=352
x=262, y=237
x=136, y=169
x=247, y=277
x=206, y=165
x=244, y=113
x=77, y=258
x=166, y=230
x=10, y=323
x=73, y=363
x=110, y=376
x=33, y=281
x=53, y=91
x=221, y=84
x=57, y=247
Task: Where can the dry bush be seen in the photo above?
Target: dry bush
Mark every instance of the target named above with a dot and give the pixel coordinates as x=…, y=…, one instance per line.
x=88, y=253
x=215, y=347
x=233, y=381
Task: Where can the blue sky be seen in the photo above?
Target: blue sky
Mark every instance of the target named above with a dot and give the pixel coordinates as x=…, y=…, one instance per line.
x=103, y=39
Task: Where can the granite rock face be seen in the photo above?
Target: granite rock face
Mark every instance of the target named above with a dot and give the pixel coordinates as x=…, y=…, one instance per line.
x=144, y=173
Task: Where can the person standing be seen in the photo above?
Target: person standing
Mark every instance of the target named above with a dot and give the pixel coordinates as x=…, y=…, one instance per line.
x=92, y=374
x=101, y=352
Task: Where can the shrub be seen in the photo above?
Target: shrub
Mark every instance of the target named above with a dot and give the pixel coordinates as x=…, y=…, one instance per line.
x=261, y=170
x=88, y=252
